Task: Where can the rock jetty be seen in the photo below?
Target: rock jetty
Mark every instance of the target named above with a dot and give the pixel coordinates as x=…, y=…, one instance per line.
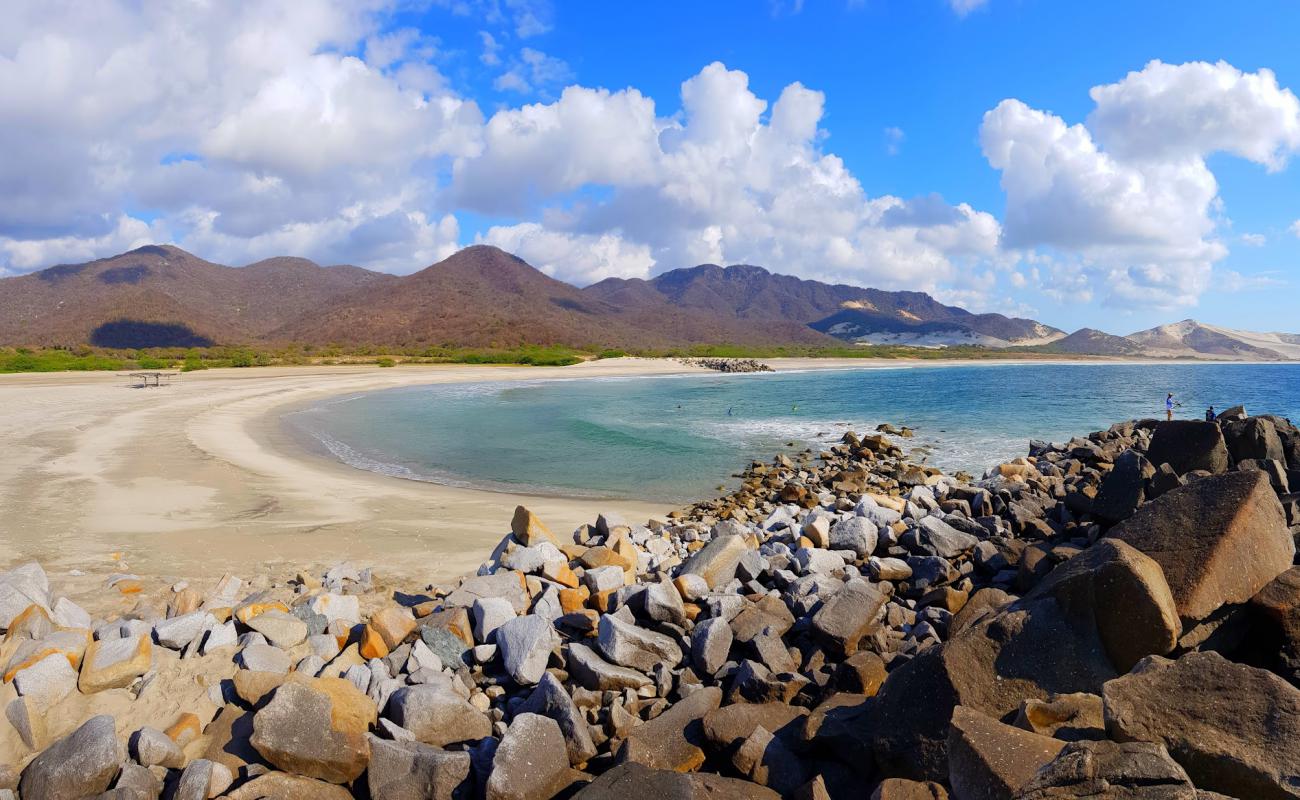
x=1117, y=616
x=727, y=364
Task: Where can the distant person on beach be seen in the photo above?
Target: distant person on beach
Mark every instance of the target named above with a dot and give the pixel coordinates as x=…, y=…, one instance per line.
x=1169, y=406
x=1209, y=414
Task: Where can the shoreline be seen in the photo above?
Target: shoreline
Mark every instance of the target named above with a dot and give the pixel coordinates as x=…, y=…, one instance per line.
x=198, y=479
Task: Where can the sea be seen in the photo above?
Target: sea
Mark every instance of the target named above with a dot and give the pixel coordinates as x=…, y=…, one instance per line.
x=680, y=439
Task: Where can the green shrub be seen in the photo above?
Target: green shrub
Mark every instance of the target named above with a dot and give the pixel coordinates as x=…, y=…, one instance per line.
x=385, y=362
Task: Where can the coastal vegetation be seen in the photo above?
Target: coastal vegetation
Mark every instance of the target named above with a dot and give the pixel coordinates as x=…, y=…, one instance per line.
x=89, y=358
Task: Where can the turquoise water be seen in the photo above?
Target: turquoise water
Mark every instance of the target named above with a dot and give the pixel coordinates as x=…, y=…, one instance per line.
x=672, y=439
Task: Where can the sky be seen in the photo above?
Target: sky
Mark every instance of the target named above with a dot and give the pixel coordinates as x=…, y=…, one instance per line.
x=1111, y=165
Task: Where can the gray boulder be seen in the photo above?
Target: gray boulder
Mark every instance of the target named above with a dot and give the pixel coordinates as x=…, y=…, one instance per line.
x=79, y=765
x=525, y=644
x=531, y=762
x=409, y=770
x=549, y=699
x=437, y=716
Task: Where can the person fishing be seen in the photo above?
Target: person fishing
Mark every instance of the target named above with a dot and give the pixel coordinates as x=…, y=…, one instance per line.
x=1169, y=405
x=1209, y=414
x=730, y=409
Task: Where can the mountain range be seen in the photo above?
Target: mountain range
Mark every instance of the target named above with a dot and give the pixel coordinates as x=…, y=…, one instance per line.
x=481, y=296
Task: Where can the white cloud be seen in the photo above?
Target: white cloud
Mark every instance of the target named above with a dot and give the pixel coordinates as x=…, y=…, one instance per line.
x=894, y=140
x=247, y=117
x=1253, y=239
x=1133, y=204
x=579, y=259
x=718, y=182
x=1295, y=228
x=491, y=49
x=963, y=7
x=531, y=71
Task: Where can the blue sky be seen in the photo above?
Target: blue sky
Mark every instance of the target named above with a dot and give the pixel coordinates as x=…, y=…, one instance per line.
x=841, y=141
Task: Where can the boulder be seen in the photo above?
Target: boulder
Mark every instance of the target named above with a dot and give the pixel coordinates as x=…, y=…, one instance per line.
x=854, y=533
x=280, y=629
x=151, y=747
x=20, y=588
x=437, y=716
x=631, y=646
x=1188, y=445
x=631, y=780
x=674, y=739
x=1104, y=769
x=943, y=539
x=1234, y=728
x=727, y=727
x=177, y=632
x=416, y=771
x=282, y=786
x=296, y=733
x=988, y=760
x=529, y=530
x=710, y=645
x=903, y=789
x=1068, y=717
x=46, y=681
x=525, y=644
x=1277, y=606
x=531, y=762
x=506, y=584
x=264, y=658
x=490, y=613
x=849, y=615
x=79, y=765
x=114, y=663
x=1124, y=487
x=337, y=607
x=716, y=562
x=768, y=761
x=593, y=672
x=550, y=699
x=1219, y=540
x=1253, y=438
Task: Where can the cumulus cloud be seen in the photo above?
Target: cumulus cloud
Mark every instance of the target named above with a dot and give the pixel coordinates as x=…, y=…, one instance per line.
x=963, y=7
x=576, y=258
x=1128, y=199
x=1295, y=228
x=242, y=123
x=729, y=179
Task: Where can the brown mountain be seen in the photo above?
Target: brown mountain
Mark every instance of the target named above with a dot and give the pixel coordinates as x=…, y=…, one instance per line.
x=162, y=295
x=1090, y=341
x=483, y=296
x=847, y=312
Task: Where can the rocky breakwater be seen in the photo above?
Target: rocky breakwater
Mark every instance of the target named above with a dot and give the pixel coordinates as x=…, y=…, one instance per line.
x=1117, y=616
x=728, y=364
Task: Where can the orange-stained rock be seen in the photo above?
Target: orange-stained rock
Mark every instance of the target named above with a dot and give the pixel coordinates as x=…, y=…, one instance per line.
x=71, y=644
x=186, y=600
x=393, y=624
x=245, y=613
x=114, y=663
x=32, y=622
x=562, y=575
x=185, y=729
x=529, y=530
x=129, y=587
x=351, y=711
x=572, y=600
x=372, y=644
x=455, y=620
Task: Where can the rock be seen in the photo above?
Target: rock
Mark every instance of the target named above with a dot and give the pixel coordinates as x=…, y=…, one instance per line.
x=1188, y=445
x=264, y=658
x=280, y=629
x=20, y=588
x=137, y=783
x=674, y=739
x=631, y=646
x=1125, y=591
x=525, y=644
x=79, y=765
x=550, y=699
x=281, y=786
x=889, y=569
x=114, y=663
x=710, y=645
x=1128, y=771
x=177, y=632
x=991, y=761
x=716, y=562
x=221, y=636
x=903, y=789
x=490, y=613
x=1253, y=438
x=447, y=646
x=296, y=732
x=436, y=716
x=1235, y=729
x=531, y=762
x=1123, y=488
x=508, y=585
x=47, y=681
x=767, y=761
x=593, y=672
x=151, y=747
x=631, y=780
x=861, y=673
x=1219, y=540
x=945, y=540
x=199, y=780
x=1278, y=607
x=528, y=530
x=1068, y=717
x=663, y=603
x=416, y=771
x=849, y=615
x=337, y=607
x=29, y=720
x=854, y=533
x=727, y=727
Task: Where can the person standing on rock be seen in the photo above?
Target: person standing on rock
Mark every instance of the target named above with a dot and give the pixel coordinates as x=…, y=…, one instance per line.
x=1209, y=414
x=1169, y=406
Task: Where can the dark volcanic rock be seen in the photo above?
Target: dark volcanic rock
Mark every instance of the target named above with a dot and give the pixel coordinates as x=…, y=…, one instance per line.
x=1188, y=445
x=991, y=761
x=1235, y=729
x=1123, y=488
x=631, y=780
x=1254, y=437
x=1128, y=771
x=1219, y=540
